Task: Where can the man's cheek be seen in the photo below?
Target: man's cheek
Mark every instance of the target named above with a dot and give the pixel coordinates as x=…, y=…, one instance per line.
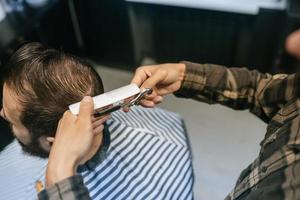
x=22, y=136
x=34, y=149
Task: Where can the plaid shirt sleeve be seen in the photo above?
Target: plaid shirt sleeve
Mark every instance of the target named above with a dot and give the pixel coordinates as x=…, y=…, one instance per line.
x=71, y=188
x=238, y=88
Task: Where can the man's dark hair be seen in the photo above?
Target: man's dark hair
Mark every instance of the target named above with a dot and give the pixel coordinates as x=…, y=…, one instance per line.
x=45, y=82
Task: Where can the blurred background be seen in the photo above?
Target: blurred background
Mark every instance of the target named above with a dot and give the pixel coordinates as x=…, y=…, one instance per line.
x=120, y=35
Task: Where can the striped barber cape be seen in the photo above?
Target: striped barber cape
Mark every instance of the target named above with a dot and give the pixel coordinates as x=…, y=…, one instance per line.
x=148, y=157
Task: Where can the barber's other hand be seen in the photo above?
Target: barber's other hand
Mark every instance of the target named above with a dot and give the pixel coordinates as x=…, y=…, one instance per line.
x=292, y=44
x=73, y=140
x=163, y=79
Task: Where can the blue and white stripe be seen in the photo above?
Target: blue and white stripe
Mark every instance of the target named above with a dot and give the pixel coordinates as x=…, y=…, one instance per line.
x=149, y=158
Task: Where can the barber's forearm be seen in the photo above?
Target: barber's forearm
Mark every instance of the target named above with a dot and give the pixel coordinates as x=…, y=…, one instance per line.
x=233, y=87
x=62, y=183
x=58, y=171
x=71, y=188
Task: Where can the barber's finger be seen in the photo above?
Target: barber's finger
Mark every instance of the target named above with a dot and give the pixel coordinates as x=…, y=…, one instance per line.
x=98, y=129
x=151, y=96
x=155, y=78
x=67, y=117
x=147, y=103
x=100, y=121
x=86, y=109
x=102, y=117
x=158, y=99
x=126, y=109
x=59, y=124
x=140, y=76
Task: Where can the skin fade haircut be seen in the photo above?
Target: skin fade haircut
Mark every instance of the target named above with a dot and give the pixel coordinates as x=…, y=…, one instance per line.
x=45, y=81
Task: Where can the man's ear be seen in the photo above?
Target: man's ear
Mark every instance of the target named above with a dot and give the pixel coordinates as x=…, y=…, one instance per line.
x=46, y=142
x=50, y=139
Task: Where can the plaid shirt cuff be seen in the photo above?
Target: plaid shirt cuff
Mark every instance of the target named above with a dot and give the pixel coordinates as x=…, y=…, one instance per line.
x=194, y=80
x=71, y=188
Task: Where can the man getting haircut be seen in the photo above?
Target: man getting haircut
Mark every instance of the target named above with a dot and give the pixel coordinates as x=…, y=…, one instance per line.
x=44, y=82
x=143, y=154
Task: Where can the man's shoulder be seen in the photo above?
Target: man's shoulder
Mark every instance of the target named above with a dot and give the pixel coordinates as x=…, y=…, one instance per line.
x=138, y=116
x=154, y=112
x=19, y=172
x=158, y=122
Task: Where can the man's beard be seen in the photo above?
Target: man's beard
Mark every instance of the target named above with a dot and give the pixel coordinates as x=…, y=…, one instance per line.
x=34, y=149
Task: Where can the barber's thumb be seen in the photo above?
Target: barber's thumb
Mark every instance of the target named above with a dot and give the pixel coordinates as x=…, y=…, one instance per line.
x=154, y=79
x=86, y=107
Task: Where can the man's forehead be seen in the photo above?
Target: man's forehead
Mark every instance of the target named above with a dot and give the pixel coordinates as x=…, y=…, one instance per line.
x=9, y=101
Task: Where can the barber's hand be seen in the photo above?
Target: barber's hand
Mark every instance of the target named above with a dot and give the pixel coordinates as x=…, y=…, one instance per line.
x=292, y=44
x=163, y=79
x=73, y=140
